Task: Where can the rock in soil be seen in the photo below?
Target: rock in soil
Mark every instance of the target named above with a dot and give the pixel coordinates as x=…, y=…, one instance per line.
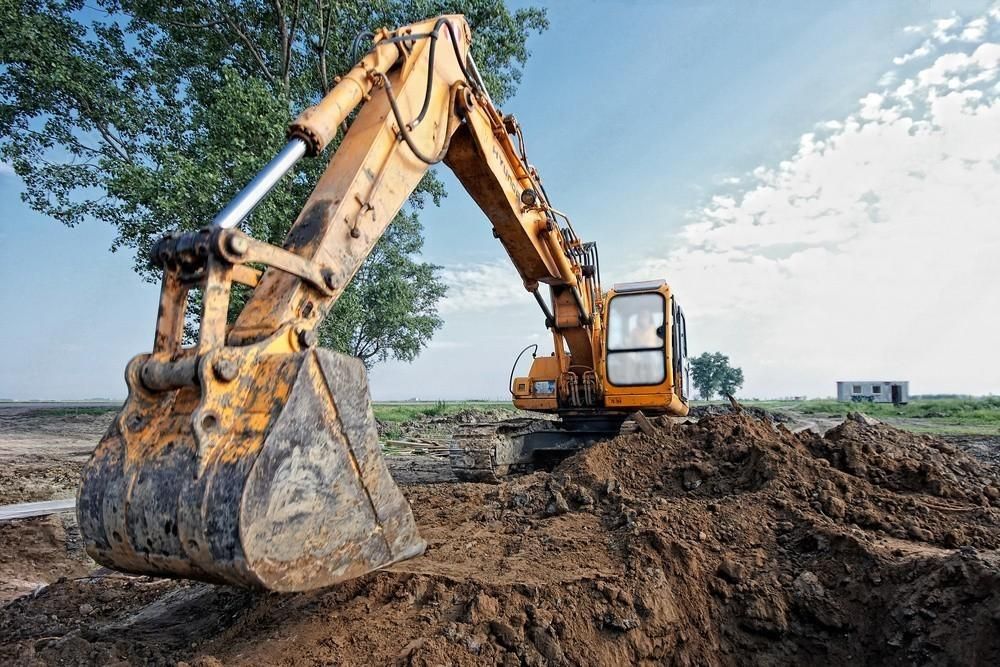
x=867, y=546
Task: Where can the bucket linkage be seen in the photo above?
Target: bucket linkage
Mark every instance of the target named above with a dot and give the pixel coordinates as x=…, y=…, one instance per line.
x=256, y=465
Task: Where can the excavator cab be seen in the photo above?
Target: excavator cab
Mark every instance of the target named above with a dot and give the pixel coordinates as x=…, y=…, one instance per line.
x=644, y=344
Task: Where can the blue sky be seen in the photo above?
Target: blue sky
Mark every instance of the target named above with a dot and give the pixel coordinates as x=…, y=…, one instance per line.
x=675, y=136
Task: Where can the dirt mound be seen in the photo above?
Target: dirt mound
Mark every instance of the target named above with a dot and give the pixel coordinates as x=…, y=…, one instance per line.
x=715, y=410
x=983, y=447
x=728, y=541
x=38, y=551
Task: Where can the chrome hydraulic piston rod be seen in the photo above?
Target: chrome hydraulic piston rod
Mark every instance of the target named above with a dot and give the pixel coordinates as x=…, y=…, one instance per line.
x=255, y=191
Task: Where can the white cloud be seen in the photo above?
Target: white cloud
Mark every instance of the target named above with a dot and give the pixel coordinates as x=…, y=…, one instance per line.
x=960, y=70
x=872, y=251
x=481, y=287
x=887, y=79
x=974, y=30
x=919, y=52
x=944, y=29
x=913, y=28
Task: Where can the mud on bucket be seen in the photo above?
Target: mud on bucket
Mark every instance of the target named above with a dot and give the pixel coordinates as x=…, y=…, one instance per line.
x=274, y=480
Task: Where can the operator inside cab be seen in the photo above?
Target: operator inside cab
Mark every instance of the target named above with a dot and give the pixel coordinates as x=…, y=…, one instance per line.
x=636, y=339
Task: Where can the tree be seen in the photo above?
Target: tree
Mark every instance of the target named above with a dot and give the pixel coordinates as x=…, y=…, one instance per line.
x=388, y=310
x=711, y=374
x=731, y=381
x=150, y=116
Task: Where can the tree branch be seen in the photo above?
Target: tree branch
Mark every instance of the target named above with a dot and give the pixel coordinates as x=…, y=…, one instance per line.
x=324, y=79
x=283, y=36
x=195, y=26
x=103, y=129
x=72, y=139
x=248, y=42
x=291, y=40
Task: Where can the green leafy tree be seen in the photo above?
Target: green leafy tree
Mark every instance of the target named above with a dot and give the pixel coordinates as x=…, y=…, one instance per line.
x=388, y=310
x=712, y=373
x=731, y=381
x=149, y=116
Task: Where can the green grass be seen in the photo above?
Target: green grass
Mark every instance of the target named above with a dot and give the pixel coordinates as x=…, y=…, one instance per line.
x=959, y=415
x=398, y=413
x=965, y=410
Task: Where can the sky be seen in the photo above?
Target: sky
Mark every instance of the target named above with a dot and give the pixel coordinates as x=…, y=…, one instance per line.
x=818, y=182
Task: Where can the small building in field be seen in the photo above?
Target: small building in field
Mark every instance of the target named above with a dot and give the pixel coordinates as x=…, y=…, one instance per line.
x=874, y=391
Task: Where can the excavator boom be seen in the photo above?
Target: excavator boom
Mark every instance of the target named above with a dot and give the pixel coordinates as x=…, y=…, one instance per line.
x=251, y=457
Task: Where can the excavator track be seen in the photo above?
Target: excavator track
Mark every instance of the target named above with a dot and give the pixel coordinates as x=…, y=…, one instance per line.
x=477, y=451
x=491, y=451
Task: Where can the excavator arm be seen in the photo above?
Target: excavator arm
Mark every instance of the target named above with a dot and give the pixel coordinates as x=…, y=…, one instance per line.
x=422, y=103
x=251, y=457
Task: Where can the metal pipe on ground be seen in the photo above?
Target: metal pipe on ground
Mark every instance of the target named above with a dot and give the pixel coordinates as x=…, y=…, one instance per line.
x=29, y=510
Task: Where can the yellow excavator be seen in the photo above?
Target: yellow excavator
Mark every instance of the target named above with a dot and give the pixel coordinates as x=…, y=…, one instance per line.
x=251, y=457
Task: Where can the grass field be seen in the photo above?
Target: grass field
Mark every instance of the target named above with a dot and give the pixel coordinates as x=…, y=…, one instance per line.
x=407, y=411
x=974, y=416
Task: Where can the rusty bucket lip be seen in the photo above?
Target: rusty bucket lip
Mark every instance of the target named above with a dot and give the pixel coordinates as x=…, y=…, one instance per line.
x=129, y=525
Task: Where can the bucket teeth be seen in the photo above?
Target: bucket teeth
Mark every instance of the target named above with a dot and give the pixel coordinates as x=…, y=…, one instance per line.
x=273, y=479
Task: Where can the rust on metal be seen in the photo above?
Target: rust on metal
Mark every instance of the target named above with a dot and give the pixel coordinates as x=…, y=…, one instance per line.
x=255, y=465
x=272, y=480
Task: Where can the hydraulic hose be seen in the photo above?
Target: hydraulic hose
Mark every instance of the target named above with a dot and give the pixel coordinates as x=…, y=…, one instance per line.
x=510, y=382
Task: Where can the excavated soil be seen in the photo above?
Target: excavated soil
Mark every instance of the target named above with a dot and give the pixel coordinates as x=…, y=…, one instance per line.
x=729, y=541
x=38, y=551
x=42, y=450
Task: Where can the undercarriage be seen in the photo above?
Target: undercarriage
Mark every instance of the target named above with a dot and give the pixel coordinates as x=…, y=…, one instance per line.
x=488, y=452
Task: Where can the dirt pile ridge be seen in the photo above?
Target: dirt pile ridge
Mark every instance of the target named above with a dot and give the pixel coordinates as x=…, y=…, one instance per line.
x=37, y=551
x=728, y=541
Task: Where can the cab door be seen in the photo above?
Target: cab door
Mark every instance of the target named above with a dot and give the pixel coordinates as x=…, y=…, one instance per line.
x=638, y=350
x=637, y=340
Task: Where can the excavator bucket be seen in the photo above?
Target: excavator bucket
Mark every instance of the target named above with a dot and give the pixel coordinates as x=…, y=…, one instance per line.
x=265, y=472
x=251, y=457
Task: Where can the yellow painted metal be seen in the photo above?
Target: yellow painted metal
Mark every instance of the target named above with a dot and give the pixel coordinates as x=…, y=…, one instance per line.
x=543, y=370
x=319, y=124
x=650, y=398
x=265, y=472
x=660, y=398
x=251, y=458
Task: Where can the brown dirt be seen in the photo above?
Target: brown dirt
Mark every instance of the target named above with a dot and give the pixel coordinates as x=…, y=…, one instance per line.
x=43, y=449
x=729, y=541
x=30, y=478
x=37, y=552
x=983, y=447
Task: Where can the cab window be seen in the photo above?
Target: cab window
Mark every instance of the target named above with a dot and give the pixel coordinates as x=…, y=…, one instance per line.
x=636, y=339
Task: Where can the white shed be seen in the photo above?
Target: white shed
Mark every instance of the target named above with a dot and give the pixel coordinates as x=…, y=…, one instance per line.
x=874, y=391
